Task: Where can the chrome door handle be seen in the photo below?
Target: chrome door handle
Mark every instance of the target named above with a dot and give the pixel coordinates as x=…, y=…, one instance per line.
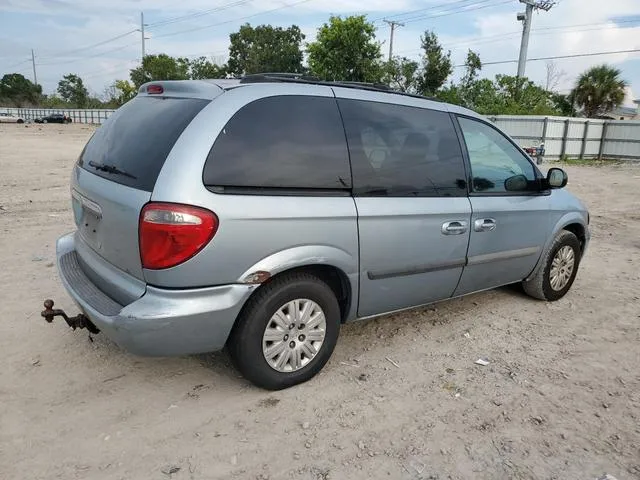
x=484, y=225
x=457, y=227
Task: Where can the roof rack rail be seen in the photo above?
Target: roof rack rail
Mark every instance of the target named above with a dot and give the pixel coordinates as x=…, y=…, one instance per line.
x=274, y=76
x=308, y=79
x=377, y=86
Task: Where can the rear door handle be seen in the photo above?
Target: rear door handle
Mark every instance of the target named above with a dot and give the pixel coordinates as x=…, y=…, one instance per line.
x=484, y=225
x=456, y=227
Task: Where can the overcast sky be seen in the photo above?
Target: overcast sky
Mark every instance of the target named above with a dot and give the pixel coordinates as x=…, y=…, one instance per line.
x=64, y=33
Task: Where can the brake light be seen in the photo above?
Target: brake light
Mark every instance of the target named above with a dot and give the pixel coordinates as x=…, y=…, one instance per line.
x=170, y=234
x=155, y=89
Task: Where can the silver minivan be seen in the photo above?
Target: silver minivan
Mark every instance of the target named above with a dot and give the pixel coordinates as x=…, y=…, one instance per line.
x=262, y=213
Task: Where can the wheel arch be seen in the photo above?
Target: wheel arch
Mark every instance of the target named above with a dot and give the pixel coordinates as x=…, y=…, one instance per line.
x=336, y=267
x=572, y=222
x=579, y=230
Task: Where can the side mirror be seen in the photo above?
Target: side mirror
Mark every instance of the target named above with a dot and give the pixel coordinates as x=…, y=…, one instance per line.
x=517, y=183
x=557, y=178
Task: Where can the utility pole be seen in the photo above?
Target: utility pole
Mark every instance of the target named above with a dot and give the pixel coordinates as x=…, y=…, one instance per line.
x=393, y=25
x=142, y=32
x=525, y=18
x=33, y=63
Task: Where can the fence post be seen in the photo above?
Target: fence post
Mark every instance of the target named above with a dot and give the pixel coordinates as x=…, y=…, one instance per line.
x=584, y=139
x=545, y=126
x=564, y=138
x=603, y=139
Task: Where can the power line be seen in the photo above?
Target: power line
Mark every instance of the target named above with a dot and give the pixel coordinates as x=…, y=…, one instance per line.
x=113, y=69
x=202, y=13
x=86, y=57
x=539, y=31
x=81, y=49
x=432, y=7
x=477, y=6
x=561, y=29
x=17, y=64
x=233, y=20
x=557, y=57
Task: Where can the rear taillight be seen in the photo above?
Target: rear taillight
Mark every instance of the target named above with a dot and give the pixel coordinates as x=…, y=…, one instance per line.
x=171, y=233
x=155, y=89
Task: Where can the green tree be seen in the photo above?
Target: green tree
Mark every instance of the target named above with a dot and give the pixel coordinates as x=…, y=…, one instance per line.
x=599, y=90
x=94, y=102
x=18, y=90
x=401, y=74
x=473, y=65
x=346, y=50
x=469, y=90
x=72, y=90
x=506, y=95
x=52, y=101
x=160, y=67
x=124, y=91
x=264, y=49
x=516, y=96
x=565, y=104
x=201, y=68
x=436, y=65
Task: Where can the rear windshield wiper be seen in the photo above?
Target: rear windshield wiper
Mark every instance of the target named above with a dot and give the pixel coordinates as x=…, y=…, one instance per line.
x=110, y=169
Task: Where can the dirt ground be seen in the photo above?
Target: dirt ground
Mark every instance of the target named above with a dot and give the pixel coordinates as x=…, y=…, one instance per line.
x=401, y=398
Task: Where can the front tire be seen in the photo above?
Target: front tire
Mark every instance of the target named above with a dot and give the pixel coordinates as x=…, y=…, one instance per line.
x=286, y=332
x=45, y=121
x=558, y=270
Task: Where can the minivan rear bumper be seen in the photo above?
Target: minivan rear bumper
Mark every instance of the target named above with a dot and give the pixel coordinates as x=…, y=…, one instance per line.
x=161, y=322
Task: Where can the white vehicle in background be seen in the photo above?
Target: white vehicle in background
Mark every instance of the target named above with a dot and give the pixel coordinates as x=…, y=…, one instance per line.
x=10, y=118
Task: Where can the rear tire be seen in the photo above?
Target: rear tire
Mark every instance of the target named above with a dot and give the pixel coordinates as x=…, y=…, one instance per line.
x=263, y=328
x=20, y=121
x=558, y=269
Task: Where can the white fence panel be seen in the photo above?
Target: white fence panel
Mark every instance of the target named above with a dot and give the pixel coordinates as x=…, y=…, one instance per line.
x=576, y=129
x=78, y=115
x=575, y=137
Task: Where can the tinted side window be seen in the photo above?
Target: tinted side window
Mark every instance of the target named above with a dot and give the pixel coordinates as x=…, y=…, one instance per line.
x=402, y=151
x=283, y=142
x=133, y=144
x=494, y=159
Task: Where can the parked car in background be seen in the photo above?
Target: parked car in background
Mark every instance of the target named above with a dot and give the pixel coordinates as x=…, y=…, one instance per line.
x=10, y=118
x=263, y=214
x=54, y=118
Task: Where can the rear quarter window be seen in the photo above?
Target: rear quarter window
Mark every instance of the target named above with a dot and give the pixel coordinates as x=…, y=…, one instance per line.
x=136, y=139
x=283, y=142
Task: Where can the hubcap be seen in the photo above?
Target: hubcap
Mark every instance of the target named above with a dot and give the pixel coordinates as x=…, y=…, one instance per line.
x=294, y=335
x=562, y=268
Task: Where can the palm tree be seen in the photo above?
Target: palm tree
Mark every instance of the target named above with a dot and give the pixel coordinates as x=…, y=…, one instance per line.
x=599, y=90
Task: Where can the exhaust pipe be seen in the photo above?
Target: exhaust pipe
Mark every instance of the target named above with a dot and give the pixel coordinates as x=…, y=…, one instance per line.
x=79, y=321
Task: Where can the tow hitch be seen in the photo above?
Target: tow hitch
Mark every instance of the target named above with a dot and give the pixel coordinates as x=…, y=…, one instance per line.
x=79, y=321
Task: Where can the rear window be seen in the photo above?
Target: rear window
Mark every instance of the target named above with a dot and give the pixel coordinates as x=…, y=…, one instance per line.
x=287, y=142
x=132, y=145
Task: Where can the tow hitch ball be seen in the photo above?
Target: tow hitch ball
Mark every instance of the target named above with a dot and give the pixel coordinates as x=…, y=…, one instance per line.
x=79, y=321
